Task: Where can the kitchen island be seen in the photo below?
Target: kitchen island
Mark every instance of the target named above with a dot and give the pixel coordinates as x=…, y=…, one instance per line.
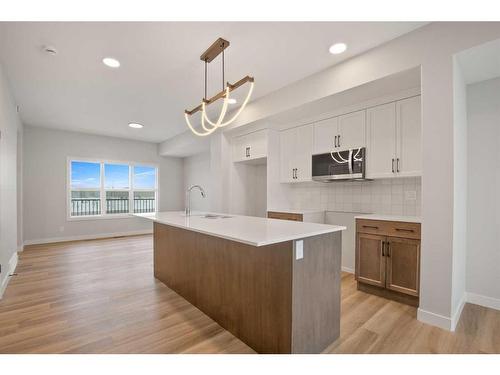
x=274, y=284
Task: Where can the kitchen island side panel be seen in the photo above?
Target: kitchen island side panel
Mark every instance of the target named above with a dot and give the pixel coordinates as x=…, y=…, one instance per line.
x=244, y=288
x=316, y=294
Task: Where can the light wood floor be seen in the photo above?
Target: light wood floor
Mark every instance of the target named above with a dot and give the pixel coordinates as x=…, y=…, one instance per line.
x=100, y=297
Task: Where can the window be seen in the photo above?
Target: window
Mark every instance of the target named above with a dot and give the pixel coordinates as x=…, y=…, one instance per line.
x=111, y=189
x=144, y=189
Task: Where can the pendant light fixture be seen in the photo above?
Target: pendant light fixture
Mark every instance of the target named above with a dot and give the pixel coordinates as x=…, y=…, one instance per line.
x=208, y=126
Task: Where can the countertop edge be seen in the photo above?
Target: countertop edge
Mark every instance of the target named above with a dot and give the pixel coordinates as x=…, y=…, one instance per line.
x=405, y=219
x=333, y=229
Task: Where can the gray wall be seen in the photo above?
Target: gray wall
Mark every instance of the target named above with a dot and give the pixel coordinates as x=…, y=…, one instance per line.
x=483, y=249
x=9, y=126
x=459, y=188
x=45, y=167
x=197, y=172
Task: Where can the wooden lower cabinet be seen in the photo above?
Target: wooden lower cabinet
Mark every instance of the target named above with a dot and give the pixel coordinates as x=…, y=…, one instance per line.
x=403, y=265
x=371, y=265
x=386, y=265
x=285, y=216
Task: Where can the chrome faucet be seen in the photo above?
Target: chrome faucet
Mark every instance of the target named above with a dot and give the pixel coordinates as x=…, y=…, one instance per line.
x=187, y=210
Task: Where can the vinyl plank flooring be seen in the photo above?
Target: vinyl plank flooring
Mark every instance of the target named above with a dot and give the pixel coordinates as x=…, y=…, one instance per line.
x=100, y=296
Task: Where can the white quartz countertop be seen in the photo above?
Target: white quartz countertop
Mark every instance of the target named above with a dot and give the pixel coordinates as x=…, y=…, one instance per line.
x=255, y=231
x=406, y=219
x=295, y=211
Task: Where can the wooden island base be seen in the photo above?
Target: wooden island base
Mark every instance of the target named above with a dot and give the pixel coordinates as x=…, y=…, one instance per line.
x=262, y=295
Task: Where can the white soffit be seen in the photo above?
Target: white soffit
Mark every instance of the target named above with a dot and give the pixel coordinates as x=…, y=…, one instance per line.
x=480, y=63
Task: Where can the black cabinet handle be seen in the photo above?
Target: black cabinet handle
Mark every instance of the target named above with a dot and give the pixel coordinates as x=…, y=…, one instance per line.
x=338, y=140
x=397, y=165
x=405, y=230
x=370, y=226
x=393, y=165
x=335, y=142
x=383, y=246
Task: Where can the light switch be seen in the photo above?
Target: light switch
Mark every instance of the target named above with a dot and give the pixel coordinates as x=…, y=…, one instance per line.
x=299, y=249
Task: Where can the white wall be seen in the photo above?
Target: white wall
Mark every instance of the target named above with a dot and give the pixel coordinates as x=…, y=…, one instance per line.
x=9, y=126
x=197, y=172
x=459, y=191
x=45, y=155
x=20, y=137
x=248, y=189
x=483, y=242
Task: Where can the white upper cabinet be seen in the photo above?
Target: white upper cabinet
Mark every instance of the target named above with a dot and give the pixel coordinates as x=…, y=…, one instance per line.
x=381, y=147
x=287, y=155
x=250, y=147
x=303, y=153
x=340, y=133
x=326, y=133
x=409, y=135
x=352, y=130
x=394, y=139
x=295, y=154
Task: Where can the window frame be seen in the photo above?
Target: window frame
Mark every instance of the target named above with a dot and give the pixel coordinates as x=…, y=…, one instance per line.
x=102, y=190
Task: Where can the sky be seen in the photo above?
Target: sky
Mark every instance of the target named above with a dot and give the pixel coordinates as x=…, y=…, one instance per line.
x=86, y=175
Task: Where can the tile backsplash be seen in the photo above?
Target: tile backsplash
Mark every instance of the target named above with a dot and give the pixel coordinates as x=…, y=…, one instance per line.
x=396, y=196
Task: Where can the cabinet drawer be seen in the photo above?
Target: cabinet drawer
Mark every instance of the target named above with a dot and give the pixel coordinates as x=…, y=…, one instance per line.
x=284, y=216
x=389, y=228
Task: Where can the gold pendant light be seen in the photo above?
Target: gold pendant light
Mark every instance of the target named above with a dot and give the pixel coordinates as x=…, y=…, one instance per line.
x=208, y=126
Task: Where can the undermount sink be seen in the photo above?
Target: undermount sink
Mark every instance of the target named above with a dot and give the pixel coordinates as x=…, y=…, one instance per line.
x=212, y=216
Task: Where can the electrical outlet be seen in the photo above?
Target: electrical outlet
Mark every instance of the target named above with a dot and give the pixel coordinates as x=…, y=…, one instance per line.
x=410, y=195
x=299, y=249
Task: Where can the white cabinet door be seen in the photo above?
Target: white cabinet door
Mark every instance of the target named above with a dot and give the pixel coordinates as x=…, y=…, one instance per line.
x=303, y=153
x=238, y=147
x=325, y=135
x=381, y=147
x=409, y=135
x=352, y=130
x=287, y=155
x=250, y=146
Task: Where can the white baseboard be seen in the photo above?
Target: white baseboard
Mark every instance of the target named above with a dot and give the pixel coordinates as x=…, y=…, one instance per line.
x=10, y=269
x=437, y=320
x=458, y=313
x=477, y=299
x=347, y=269
x=86, y=237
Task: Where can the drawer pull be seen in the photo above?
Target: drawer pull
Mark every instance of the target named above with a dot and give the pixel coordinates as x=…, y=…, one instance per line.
x=405, y=230
x=370, y=226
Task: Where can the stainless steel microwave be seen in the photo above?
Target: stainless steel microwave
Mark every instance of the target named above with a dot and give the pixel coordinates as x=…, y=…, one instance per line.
x=339, y=165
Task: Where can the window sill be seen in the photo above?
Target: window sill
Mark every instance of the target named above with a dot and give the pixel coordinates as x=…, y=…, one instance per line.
x=100, y=217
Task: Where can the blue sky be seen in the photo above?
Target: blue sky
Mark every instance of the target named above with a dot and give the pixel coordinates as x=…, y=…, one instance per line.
x=144, y=177
x=86, y=175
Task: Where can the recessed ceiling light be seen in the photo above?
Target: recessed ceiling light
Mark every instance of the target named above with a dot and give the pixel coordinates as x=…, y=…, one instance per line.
x=135, y=125
x=111, y=62
x=232, y=101
x=337, y=48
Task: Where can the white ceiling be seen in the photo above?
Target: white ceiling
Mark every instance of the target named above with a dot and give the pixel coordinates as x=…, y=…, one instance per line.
x=160, y=73
x=481, y=63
